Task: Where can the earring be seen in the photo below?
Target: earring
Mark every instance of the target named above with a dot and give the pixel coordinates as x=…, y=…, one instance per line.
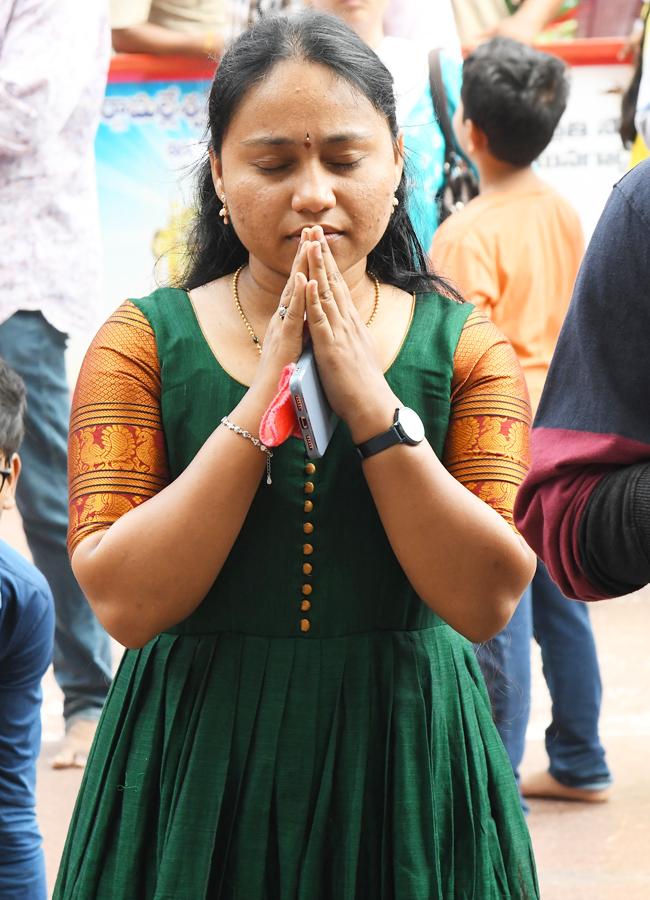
x=395, y=200
x=223, y=212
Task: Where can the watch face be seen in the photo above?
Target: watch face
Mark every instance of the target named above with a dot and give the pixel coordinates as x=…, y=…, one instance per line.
x=411, y=424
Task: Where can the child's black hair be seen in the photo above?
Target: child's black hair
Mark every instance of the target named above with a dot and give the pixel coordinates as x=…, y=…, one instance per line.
x=516, y=95
x=213, y=248
x=13, y=403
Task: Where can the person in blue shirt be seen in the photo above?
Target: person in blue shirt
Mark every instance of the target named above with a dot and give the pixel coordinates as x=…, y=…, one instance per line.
x=26, y=641
x=408, y=63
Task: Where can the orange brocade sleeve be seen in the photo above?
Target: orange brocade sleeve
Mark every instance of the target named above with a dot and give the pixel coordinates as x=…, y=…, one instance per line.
x=487, y=445
x=116, y=450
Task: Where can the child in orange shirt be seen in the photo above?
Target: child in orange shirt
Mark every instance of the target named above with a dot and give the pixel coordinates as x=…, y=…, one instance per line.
x=515, y=251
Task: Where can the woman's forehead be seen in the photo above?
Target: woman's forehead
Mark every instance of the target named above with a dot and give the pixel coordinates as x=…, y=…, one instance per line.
x=299, y=97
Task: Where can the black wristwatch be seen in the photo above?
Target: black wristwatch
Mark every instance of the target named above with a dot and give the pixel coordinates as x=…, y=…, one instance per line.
x=407, y=428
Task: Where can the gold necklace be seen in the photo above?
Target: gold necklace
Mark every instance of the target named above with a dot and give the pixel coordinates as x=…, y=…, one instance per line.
x=235, y=281
x=256, y=340
x=377, y=299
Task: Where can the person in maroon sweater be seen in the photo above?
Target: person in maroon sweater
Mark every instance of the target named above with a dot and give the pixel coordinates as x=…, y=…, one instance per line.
x=585, y=505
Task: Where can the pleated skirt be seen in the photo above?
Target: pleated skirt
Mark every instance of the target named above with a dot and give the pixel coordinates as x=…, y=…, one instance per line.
x=239, y=767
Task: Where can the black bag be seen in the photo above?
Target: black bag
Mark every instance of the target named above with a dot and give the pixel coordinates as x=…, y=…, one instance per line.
x=460, y=184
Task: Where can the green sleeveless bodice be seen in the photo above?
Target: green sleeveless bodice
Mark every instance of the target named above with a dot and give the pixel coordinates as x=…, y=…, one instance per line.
x=356, y=582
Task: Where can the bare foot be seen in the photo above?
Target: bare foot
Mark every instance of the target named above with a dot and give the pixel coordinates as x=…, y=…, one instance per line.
x=76, y=746
x=542, y=784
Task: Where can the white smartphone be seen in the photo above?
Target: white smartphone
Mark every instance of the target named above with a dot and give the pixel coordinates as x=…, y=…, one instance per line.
x=317, y=421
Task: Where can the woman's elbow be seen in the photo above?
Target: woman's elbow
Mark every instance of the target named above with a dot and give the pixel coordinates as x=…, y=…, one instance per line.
x=123, y=622
x=119, y=615
x=124, y=629
x=484, y=628
x=495, y=600
x=504, y=597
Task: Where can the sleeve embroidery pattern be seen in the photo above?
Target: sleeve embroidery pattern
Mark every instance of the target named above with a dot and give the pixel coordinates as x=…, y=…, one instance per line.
x=117, y=451
x=487, y=445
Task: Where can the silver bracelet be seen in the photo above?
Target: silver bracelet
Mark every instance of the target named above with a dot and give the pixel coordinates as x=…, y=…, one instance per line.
x=269, y=453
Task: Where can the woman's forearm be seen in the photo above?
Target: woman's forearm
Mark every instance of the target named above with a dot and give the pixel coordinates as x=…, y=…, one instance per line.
x=153, y=567
x=461, y=556
x=539, y=12
x=157, y=40
x=526, y=24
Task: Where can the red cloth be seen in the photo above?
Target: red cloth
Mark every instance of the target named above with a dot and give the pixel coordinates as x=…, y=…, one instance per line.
x=280, y=421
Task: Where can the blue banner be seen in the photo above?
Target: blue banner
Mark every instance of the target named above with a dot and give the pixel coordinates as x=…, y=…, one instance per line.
x=149, y=140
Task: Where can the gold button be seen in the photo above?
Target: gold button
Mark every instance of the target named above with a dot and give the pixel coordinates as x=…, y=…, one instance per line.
x=309, y=487
x=306, y=589
x=305, y=625
x=305, y=605
x=310, y=468
x=308, y=528
x=307, y=549
x=308, y=506
x=306, y=569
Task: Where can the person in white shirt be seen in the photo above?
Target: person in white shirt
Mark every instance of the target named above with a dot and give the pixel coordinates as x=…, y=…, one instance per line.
x=54, y=57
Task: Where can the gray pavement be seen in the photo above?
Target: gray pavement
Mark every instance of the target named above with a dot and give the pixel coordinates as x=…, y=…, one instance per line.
x=583, y=852
x=602, y=852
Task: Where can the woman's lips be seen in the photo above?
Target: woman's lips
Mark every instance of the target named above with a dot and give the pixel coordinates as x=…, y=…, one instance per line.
x=330, y=237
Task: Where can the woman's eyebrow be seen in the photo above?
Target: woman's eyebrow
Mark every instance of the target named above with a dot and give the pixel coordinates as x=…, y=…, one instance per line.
x=348, y=137
x=344, y=137
x=270, y=142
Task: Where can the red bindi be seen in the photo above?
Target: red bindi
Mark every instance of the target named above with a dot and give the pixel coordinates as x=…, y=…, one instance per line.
x=307, y=142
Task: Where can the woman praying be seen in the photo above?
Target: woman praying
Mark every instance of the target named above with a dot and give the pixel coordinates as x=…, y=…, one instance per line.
x=299, y=714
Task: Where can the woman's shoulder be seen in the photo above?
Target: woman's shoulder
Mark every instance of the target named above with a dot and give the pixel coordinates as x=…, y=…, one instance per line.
x=485, y=363
x=436, y=300
x=162, y=301
x=475, y=337
x=133, y=330
x=438, y=321
x=124, y=345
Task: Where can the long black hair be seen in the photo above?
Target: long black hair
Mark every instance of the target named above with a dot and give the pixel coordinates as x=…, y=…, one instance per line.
x=213, y=248
x=627, y=128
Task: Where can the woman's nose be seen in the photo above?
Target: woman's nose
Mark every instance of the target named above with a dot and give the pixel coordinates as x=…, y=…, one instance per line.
x=313, y=191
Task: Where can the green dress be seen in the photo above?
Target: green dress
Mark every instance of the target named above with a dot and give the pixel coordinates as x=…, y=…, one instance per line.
x=240, y=757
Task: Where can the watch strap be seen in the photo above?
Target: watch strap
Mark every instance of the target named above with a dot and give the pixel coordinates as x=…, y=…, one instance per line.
x=381, y=442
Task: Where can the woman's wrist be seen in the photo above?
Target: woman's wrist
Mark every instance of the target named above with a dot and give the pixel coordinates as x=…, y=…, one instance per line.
x=213, y=44
x=530, y=20
x=248, y=415
x=373, y=417
x=249, y=411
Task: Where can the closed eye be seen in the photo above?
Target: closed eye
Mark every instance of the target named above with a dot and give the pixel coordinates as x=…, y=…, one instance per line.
x=344, y=166
x=279, y=168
